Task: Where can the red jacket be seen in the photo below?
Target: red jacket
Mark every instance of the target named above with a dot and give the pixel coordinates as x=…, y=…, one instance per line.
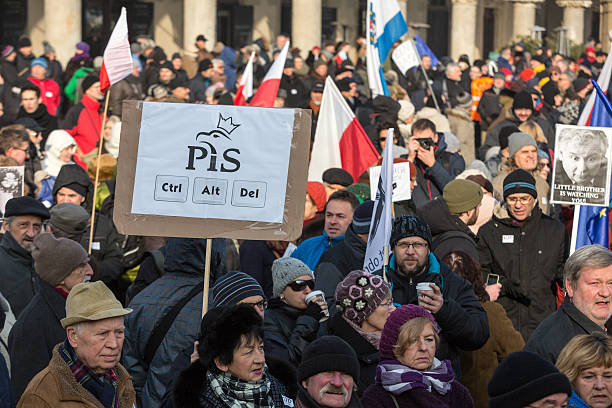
x=49, y=92
x=84, y=121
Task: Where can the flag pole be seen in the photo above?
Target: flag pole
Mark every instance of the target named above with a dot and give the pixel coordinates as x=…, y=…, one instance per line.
x=385, y=262
x=100, y=142
x=206, y=276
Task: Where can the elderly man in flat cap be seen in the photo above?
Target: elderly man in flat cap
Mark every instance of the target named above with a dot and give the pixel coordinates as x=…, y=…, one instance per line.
x=23, y=219
x=84, y=370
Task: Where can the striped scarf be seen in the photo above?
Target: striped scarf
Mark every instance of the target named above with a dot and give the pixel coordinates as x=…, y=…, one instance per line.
x=398, y=378
x=104, y=388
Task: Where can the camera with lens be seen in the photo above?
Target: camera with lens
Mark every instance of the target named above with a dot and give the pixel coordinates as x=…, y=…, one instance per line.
x=426, y=143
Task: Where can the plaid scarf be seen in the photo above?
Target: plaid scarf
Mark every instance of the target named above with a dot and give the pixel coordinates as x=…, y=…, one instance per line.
x=104, y=388
x=235, y=393
x=398, y=378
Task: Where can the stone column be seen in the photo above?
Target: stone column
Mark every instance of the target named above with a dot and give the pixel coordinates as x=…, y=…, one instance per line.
x=199, y=17
x=573, y=18
x=63, y=27
x=523, y=16
x=306, y=24
x=463, y=34
x=605, y=23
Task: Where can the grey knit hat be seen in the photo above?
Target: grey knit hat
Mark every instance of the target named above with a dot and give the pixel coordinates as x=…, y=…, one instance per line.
x=285, y=271
x=518, y=140
x=69, y=220
x=56, y=258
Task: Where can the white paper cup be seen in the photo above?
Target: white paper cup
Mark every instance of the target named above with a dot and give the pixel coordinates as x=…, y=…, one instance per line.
x=423, y=287
x=314, y=295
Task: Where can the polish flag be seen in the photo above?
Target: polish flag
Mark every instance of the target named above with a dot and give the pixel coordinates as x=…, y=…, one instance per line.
x=117, y=60
x=266, y=93
x=245, y=89
x=340, y=141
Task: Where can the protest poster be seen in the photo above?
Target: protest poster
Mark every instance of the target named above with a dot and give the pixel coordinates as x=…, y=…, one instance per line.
x=401, y=181
x=581, y=171
x=11, y=184
x=199, y=171
x=405, y=56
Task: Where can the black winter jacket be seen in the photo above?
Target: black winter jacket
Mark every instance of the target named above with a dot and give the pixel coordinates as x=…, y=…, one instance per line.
x=558, y=329
x=448, y=231
x=34, y=335
x=462, y=320
x=337, y=262
x=287, y=331
x=529, y=259
x=18, y=281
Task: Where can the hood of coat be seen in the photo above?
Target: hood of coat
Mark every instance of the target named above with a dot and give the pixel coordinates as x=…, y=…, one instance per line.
x=439, y=218
x=73, y=173
x=188, y=255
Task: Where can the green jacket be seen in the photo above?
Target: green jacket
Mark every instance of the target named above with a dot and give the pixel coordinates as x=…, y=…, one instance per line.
x=71, y=89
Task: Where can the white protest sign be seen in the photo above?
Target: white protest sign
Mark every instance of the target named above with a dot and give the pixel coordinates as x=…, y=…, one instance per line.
x=405, y=56
x=231, y=163
x=401, y=181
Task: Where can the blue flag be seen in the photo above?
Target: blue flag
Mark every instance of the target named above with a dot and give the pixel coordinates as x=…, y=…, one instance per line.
x=424, y=50
x=593, y=221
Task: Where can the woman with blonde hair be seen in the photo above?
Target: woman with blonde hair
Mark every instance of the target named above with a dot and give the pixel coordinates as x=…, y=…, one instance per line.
x=532, y=128
x=587, y=361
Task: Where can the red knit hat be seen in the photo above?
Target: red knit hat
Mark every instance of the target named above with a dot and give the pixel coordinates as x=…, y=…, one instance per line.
x=394, y=323
x=316, y=191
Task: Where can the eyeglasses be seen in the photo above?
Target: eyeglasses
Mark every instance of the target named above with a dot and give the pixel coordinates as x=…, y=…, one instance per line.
x=416, y=245
x=261, y=305
x=389, y=304
x=522, y=200
x=299, y=285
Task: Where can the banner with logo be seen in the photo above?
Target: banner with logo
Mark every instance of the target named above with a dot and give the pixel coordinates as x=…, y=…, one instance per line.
x=212, y=170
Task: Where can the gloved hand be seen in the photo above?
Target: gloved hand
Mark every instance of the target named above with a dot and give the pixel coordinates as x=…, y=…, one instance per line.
x=314, y=310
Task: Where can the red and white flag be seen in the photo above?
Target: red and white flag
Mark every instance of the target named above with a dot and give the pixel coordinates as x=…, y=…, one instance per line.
x=266, y=93
x=340, y=141
x=245, y=89
x=117, y=60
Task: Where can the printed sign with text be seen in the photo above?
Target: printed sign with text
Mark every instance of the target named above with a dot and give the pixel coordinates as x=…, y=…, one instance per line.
x=401, y=181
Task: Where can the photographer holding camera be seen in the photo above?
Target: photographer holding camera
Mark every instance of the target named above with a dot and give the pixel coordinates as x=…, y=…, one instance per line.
x=435, y=166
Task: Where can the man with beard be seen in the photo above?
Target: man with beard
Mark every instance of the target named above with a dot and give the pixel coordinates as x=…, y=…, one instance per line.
x=450, y=216
x=23, y=219
x=463, y=322
x=32, y=107
x=327, y=375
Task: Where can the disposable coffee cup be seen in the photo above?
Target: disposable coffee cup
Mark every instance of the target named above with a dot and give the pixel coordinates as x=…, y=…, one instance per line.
x=423, y=287
x=312, y=296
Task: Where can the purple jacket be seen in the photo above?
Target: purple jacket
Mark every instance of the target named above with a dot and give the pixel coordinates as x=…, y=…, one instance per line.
x=458, y=397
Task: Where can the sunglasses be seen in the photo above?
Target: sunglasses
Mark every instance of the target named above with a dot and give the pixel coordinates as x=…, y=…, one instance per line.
x=299, y=285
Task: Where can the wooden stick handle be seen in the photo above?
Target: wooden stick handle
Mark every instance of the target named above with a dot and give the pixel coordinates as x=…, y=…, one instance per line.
x=206, y=275
x=100, y=142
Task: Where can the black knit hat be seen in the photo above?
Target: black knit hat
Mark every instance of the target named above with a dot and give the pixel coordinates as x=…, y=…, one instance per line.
x=337, y=175
x=409, y=226
x=522, y=100
x=504, y=134
x=328, y=353
x=25, y=205
x=523, y=378
x=520, y=181
x=88, y=82
x=362, y=217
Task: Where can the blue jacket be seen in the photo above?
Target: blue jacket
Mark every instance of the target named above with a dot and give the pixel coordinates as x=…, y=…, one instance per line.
x=228, y=55
x=310, y=251
x=577, y=402
x=183, y=269
x=7, y=400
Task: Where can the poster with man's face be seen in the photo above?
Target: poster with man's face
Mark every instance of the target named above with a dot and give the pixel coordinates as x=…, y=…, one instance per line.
x=11, y=184
x=581, y=172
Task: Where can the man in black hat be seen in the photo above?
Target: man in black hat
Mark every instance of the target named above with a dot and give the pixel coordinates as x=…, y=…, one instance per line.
x=451, y=299
x=201, y=81
x=526, y=250
x=203, y=53
x=179, y=90
x=24, y=55
x=328, y=374
x=348, y=88
x=296, y=91
x=23, y=219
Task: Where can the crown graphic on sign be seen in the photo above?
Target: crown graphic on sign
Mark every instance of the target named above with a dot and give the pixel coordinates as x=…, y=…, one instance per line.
x=226, y=124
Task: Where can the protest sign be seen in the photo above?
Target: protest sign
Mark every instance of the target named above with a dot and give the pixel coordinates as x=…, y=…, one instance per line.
x=405, y=56
x=401, y=181
x=581, y=172
x=212, y=171
x=11, y=184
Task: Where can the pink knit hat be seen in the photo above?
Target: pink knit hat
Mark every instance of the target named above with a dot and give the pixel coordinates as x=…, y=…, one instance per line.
x=394, y=323
x=359, y=294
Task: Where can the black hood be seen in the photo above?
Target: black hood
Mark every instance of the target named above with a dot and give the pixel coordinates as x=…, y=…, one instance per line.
x=73, y=173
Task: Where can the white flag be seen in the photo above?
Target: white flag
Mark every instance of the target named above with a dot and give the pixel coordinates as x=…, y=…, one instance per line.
x=405, y=56
x=380, y=228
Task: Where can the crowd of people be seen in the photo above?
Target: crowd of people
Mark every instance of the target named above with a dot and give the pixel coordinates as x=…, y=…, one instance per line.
x=480, y=304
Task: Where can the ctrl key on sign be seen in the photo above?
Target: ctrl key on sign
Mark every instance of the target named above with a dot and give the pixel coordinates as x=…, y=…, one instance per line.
x=249, y=194
x=171, y=188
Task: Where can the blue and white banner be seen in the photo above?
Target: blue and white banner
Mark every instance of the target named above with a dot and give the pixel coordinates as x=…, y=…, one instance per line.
x=385, y=26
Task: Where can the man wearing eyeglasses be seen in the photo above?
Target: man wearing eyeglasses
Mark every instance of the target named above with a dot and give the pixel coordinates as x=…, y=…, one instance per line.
x=15, y=143
x=527, y=250
x=463, y=322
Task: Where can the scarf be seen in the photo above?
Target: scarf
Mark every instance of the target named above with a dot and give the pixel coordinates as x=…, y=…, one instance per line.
x=104, y=388
x=236, y=393
x=398, y=378
x=372, y=337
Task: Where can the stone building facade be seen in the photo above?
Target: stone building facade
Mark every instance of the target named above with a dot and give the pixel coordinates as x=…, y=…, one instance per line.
x=472, y=27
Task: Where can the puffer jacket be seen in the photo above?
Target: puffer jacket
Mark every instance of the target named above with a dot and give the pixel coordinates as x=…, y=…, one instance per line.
x=529, y=259
x=184, y=266
x=462, y=320
x=287, y=331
